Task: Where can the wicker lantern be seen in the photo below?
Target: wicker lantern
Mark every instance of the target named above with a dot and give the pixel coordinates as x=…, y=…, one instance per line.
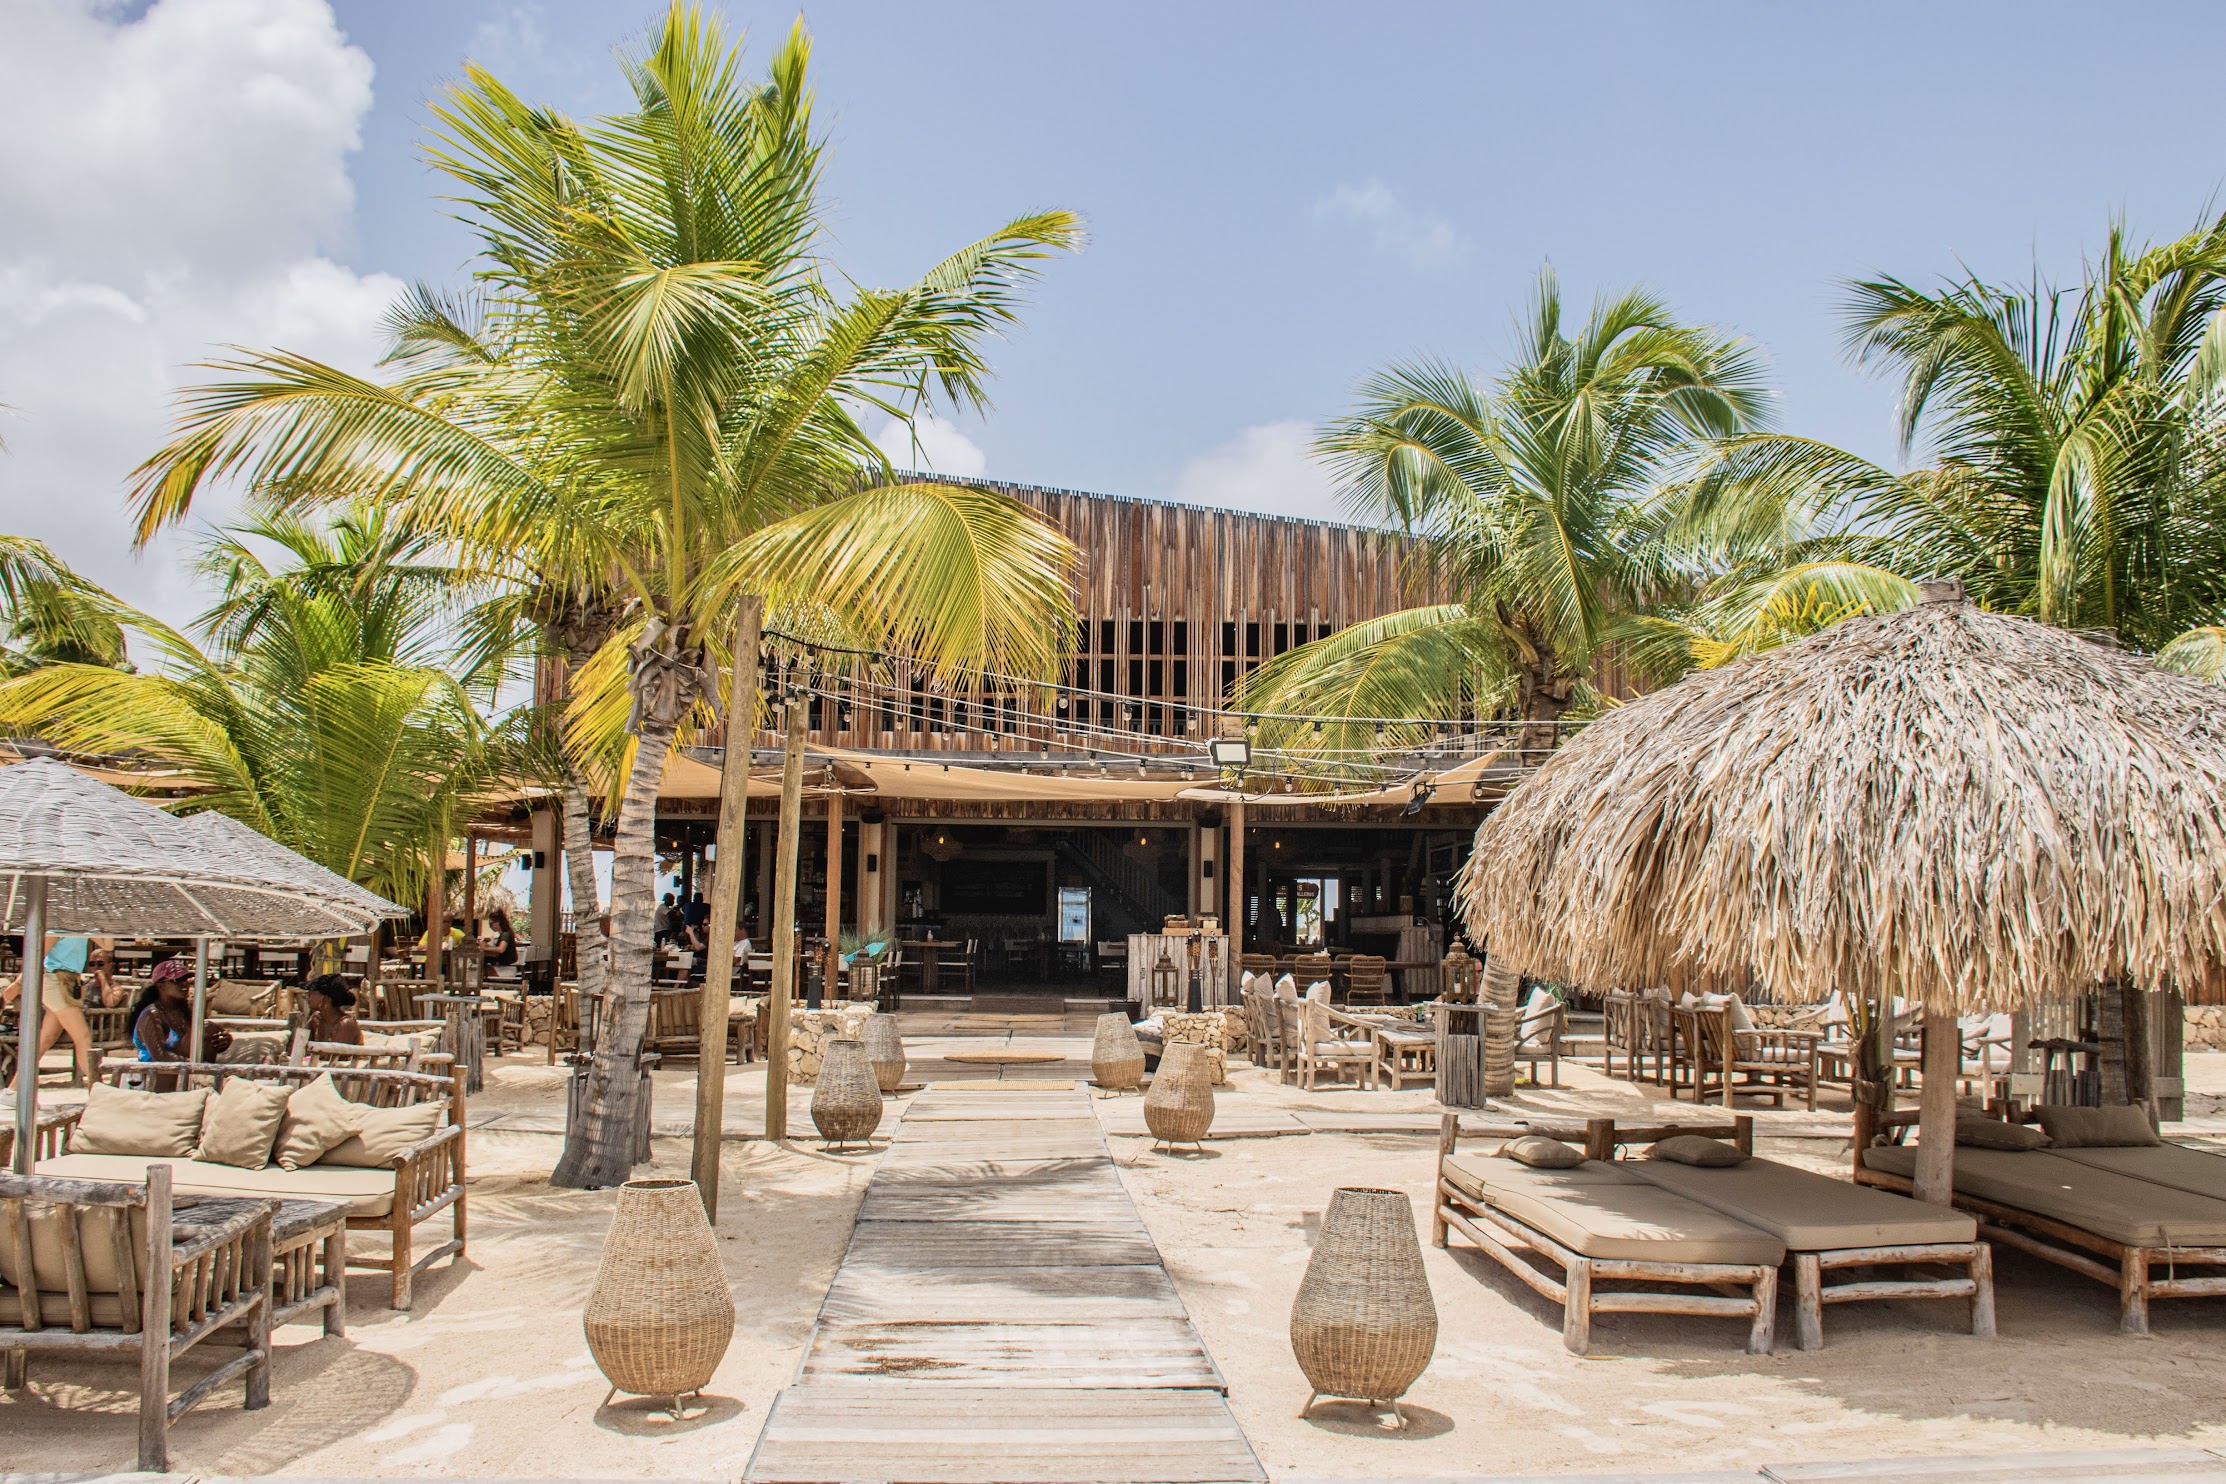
x=846, y=1102
x=1364, y=1323
x=1116, y=1056
x=660, y=1315
x=1178, y=1108
x=885, y=1051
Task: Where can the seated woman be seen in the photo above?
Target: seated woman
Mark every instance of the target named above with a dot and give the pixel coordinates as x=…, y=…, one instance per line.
x=500, y=940
x=162, y=1018
x=330, y=1005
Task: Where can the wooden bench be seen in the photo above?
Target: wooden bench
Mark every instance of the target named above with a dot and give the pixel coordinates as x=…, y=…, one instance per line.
x=113, y=1271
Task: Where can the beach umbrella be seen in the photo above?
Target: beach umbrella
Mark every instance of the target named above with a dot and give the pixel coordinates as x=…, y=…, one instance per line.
x=1972, y=811
x=77, y=856
x=223, y=833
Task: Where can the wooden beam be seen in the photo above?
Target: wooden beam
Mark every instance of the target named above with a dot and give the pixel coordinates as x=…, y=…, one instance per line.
x=784, y=925
x=726, y=904
x=830, y=977
x=1943, y=1058
x=1235, y=923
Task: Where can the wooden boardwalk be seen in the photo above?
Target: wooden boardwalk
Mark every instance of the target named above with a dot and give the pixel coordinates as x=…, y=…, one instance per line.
x=1002, y=1317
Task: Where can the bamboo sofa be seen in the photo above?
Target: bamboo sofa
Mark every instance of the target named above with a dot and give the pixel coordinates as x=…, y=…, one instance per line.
x=112, y=1275
x=2115, y=1214
x=1615, y=1206
x=420, y=1184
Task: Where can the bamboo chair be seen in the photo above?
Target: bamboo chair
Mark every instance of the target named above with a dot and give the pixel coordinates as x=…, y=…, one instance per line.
x=1269, y=1049
x=1331, y=1040
x=1367, y=979
x=1757, y=1062
x=1538, y=1035
x=675, y=1022
x=112, y=1273
x=564, y=1021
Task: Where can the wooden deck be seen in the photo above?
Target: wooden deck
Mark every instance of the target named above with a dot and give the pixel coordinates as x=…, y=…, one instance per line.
x=1002, y=1317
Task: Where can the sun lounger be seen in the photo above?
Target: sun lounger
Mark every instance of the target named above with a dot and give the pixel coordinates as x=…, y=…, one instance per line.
x=1830, y=1225
x=2082, y=1209
x=1602, y=1225
x=2197, y=1171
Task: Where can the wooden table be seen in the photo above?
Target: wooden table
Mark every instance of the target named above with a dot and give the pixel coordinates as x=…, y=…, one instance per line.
x=309, y=1252
x=931, y=960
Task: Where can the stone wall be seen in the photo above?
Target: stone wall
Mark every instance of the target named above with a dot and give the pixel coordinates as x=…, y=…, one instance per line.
x=2206, y=1028
x=809, y=1031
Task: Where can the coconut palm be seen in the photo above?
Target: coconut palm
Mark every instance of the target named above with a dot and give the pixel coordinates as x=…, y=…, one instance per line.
x=1538, y=493
x=307, y=710
x=652, y=403
x=48, y=613
x=2072, y=465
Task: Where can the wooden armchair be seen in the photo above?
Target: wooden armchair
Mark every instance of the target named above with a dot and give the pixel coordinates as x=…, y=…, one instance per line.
x=1758, y=1062
x=1367, y=979
x=564, y=1021
x=675, y=1022
x=1332, y=1040
x=1539, y=1033
x=93, y=1268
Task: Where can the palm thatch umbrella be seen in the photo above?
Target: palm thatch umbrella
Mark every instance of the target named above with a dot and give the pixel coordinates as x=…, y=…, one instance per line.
x=1972, y=811
x=77, y=856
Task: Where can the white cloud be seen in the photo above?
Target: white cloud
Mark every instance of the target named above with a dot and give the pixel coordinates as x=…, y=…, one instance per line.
x=1418, y=239
x=1269, y=468
x=173, y=185
x=932, y=445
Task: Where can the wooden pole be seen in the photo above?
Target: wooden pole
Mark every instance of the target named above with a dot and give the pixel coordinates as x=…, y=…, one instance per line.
x=830, y=981
x=726, y=905
x=784, y=926
x=436, y=912
x=1235, y=922
x=1934, y=1180
x=471, y=884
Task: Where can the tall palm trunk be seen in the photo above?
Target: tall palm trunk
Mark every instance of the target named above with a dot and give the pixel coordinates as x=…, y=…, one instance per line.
x=589, y=948
x=599, y=1150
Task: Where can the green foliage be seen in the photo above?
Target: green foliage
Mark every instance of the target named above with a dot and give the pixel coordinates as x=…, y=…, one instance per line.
x=49, y=614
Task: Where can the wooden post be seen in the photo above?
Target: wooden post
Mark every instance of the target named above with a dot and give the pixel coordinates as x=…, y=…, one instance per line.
x=436, y=912
x=1934, y=1180
x=830, y=980
x=1235, y=923
x=2140, y=1074
x=784, y=926
x=471, y=884
x=726, y=905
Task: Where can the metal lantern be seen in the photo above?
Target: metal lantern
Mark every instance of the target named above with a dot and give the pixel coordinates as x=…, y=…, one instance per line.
x=1167, y=979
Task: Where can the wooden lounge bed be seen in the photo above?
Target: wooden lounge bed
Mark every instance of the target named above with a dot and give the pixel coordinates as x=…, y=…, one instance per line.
x=1604, y=1228
x=2114, y=1214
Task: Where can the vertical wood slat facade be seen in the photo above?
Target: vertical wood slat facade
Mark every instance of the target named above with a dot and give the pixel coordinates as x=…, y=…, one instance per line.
x=1174, y=604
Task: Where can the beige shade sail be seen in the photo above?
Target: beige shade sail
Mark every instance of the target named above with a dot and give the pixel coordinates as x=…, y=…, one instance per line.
x=1961, y=808
x=925, y=778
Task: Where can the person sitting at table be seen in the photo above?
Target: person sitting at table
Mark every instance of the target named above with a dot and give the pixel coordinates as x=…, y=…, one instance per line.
x=500, y=940
x=331, y=1006
x=162, y=1018
x=61, y=1001
x=665, y=926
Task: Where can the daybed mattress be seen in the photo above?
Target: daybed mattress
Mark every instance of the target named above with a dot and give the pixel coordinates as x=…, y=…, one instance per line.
x=2195, y=1171
x=367, y=1192
x=1601, y=1210
x=2136, y=1212
x=1807, y=1211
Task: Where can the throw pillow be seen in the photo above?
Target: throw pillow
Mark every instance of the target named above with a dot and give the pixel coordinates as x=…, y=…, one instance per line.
x=1993, y=1133
x=318, y=1119
x=2125, y=1126
x=1287, y=987
x=241, y=1123
x=1693, y=1149
x=1740, y=1019
x=118, y=1120
x=1542, y=1153
x=385, y=1134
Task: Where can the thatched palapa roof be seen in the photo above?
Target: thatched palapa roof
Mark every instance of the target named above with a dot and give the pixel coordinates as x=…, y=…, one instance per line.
x=1954, y=806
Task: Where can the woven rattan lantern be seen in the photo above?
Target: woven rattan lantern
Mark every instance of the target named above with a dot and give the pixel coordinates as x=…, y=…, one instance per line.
x=1364, y=1323
x=660, y=1315
x=846, y=1102
x=885, y=1051
x=1178, y=1109
x=1116, y=1056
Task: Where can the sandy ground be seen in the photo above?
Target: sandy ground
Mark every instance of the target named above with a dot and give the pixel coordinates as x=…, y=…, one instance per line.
x=490, y=1375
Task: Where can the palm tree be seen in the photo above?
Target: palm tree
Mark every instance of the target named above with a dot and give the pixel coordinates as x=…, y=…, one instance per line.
x=651, y=404
x=312, y=709
x=48, y=613
x=1538, y=494
x=2073, y=465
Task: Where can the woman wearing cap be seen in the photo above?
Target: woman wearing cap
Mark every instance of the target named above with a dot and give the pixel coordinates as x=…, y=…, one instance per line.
x=162, y=1017
x=330, y=1001
x=61, y=1008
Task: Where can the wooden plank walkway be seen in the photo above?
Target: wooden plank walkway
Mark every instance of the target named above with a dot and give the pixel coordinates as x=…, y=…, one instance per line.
x=1002, y=1317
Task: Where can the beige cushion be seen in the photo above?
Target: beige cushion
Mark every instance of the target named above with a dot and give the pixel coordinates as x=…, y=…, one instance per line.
x=96, y=1238
x=1696, y=1149
x=2122, y=1127
x=1541, y=1153
x=317, y=1119
x=1994, y=1133
x=2196, y=1171
x=412, y=1041
x=119, y=1120
x=1464, y=1172
x=1287, y=987
x=385, y=1134
x=255, y=1048
x=241, y=1122
x=1807, y=1211
x=1740, y=1019
x=107, y=1310
x=364, y=1192
x=242, y=997
x=1617, y=1215
x=2048, y=1183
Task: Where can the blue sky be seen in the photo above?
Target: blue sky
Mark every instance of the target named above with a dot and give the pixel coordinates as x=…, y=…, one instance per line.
x=1280, y=197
